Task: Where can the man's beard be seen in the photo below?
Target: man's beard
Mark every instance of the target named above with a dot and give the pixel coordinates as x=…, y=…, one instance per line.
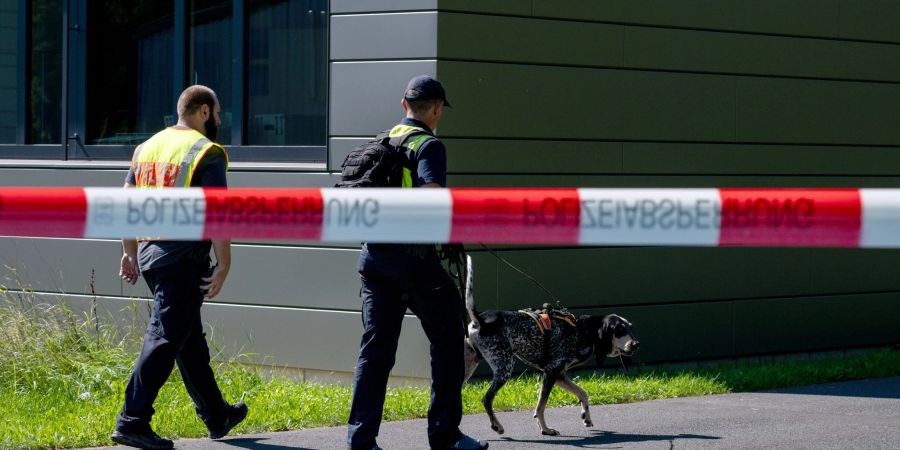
x=212, y=130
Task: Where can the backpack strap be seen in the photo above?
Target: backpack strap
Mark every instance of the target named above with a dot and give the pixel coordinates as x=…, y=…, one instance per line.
x=399, y=140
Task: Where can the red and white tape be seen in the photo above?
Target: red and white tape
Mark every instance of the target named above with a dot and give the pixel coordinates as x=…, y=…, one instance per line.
x=674, y=217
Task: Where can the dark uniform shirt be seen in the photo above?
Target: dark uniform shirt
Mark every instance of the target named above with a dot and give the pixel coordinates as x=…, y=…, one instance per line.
x=210, y=172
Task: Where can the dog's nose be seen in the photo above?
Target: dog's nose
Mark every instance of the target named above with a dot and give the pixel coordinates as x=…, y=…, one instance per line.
x=635, y=344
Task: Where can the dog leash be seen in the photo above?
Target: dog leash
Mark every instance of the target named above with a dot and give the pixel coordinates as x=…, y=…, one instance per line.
x=536, y=282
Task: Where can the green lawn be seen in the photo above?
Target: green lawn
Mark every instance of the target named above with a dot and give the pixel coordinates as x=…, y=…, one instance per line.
x=62, y=379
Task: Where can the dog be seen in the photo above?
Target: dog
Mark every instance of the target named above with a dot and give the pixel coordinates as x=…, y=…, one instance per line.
x=498, y=336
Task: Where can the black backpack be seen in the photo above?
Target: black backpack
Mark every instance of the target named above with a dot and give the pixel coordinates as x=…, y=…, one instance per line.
x=377, y=163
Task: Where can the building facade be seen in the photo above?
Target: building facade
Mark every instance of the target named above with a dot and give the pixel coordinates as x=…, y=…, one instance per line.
x=546, y=93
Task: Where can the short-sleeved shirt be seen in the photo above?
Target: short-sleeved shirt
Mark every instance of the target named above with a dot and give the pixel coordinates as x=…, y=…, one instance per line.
x=430, y=159
x=210, y=172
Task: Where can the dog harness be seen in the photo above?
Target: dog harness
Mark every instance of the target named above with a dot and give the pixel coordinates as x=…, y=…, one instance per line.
x=542, y=319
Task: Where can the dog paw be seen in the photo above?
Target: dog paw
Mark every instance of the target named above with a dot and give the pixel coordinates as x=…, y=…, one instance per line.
x=550, y=432
x=498, y=428
x=588, y=423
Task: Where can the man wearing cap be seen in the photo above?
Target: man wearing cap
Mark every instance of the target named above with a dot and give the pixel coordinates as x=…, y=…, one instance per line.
x=400, y=276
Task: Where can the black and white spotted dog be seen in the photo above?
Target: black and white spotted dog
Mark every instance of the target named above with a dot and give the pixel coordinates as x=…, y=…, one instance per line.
x=498, y=336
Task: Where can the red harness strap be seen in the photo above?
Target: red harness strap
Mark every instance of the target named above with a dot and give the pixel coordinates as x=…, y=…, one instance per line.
x=566, y=317
x=542, y=320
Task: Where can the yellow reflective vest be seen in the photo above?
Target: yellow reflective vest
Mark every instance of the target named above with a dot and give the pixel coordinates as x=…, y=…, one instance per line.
x=413, y=144
x=170, y=157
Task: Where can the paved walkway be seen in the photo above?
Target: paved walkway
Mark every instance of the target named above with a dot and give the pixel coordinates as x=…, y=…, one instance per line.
x=850, y=415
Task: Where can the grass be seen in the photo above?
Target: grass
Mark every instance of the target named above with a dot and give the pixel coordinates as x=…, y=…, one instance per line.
x=62, y=378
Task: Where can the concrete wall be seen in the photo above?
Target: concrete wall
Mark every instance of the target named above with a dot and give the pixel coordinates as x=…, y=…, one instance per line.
x=576, y=93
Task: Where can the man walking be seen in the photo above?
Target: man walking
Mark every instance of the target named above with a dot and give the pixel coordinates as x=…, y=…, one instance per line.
x=399, y=276
x=179, y=275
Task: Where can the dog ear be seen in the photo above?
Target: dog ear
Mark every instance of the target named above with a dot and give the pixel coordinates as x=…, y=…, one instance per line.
x=601, y=324
x=610, y=323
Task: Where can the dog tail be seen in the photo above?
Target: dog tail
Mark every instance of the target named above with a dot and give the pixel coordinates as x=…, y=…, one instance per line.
x=470, y=298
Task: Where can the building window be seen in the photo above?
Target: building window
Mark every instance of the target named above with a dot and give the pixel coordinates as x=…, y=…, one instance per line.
x=287, y=94
x=210, y=60
x=90, y=79
x=45, y=80
x=8, y=71
x=129, y=77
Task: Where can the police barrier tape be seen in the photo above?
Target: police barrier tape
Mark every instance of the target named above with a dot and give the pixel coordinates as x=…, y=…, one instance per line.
x=674, y=217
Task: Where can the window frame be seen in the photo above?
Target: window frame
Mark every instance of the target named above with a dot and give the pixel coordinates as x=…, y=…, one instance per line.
x=74, y=81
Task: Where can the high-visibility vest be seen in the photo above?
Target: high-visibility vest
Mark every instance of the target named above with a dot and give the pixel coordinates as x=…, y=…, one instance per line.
x=170, y=157
x=416, y=137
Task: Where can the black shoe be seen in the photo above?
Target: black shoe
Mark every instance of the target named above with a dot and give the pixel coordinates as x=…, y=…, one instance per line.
x=466, y=443
x=235, y=415
x=147, y=440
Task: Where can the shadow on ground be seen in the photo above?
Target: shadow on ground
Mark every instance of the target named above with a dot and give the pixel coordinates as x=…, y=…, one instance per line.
x=258, y=444
x=609, y=437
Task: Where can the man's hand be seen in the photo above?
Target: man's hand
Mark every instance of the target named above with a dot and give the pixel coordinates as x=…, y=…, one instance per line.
x=215, y=281
x=128, y=268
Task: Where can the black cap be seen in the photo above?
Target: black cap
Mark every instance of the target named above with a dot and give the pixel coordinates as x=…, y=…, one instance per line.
x=424, y=87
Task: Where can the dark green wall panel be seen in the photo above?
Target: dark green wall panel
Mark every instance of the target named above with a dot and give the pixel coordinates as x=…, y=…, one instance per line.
x=870, y=19
x=514, y=156
x=517, y=7
x=586, y=277
x=615, y=104
x=812, y=111
x=703, y=51
x=517, y=39
x=750, y=159
x=791, y=17
x=779, y=325
x=670, y=181
x=520, y=101
x=567, y=43
x=521, y=156
x=856, y=270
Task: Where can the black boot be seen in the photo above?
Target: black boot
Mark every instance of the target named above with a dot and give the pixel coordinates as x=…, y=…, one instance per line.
x=146, y=440
x=234, y=415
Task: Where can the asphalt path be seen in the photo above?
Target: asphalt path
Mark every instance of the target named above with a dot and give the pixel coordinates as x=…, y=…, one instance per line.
x=861, y=414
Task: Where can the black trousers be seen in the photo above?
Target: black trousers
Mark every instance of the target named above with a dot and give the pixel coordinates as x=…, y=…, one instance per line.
x=174, y=336
x=393, y=280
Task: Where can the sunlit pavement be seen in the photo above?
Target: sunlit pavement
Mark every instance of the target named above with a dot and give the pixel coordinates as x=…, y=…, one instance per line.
x=858, y=414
